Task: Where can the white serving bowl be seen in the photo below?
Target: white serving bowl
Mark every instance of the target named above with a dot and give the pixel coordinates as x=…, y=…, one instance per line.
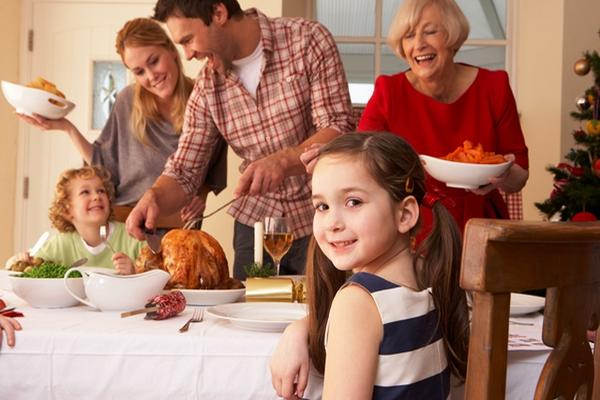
x=46, y=292
x=31, y=101
x=462, y=175
x=108, y=291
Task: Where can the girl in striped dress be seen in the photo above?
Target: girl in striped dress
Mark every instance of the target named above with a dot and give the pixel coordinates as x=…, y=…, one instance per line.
x=398, y=327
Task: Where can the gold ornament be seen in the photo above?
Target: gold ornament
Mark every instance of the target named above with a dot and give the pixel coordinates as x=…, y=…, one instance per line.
x=582, y=67
x=593, y=127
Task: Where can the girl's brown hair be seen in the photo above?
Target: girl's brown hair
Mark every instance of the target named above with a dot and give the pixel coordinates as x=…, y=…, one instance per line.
x=141, y=32
x=396, y=167
x=59, y=209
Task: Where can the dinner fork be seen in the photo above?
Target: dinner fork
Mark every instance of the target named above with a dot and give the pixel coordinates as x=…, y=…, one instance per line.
x=104, y=238
x=192, y=222
x=197, y=316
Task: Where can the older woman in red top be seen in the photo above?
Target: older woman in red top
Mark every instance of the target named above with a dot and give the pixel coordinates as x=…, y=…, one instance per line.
x=438, y=103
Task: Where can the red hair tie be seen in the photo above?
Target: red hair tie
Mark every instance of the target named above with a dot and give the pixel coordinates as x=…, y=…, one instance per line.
x=433, y=195
x=430, y=198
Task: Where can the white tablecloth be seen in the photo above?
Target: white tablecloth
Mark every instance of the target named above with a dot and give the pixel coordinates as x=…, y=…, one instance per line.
x=79, y=353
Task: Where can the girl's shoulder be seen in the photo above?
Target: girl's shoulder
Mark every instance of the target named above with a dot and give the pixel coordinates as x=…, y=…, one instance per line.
x=356, y=301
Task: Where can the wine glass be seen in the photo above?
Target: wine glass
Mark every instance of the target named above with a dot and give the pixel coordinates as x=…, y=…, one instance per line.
x=278, y=238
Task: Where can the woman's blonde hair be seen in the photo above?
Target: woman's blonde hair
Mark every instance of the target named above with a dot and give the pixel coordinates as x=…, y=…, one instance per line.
x=408, y=15
x=59, y=209
x=141, y=32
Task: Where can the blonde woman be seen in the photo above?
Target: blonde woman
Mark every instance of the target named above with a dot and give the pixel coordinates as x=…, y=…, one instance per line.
x=438, y=103
x=143, y=128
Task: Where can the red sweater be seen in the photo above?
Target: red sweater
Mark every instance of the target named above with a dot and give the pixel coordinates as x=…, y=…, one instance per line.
x=486, y=113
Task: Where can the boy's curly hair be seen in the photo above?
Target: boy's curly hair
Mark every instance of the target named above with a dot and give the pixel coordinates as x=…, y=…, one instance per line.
x=59, y=209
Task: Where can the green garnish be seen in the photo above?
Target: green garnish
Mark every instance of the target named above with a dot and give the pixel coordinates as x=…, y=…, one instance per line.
x=256, y=270
x=49, y=269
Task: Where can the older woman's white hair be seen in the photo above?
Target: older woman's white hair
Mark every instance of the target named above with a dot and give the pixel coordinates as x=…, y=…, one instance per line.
x=408, y=15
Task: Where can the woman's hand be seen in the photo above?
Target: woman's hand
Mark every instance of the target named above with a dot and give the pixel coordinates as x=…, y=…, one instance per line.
x=511, y=181
x=290, y=362
x=9, y=326
x=46, y=124
x=194, y=209
x=123, y=264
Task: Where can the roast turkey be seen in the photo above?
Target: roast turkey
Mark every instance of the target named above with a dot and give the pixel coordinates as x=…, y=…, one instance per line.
x=193, y=258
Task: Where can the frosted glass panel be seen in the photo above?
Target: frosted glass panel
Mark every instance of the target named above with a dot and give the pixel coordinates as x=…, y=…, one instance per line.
x=347, y=17
x=486, y=18
x=358, y=62
x=483, y=56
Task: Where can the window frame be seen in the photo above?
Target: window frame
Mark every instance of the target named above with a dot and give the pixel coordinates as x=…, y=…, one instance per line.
x=379, y=40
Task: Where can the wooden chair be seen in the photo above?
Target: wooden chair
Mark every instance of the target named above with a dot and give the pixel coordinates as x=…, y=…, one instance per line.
x=500, y=257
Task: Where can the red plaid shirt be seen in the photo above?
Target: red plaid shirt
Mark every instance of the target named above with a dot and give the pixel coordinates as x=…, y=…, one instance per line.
x=302, y=89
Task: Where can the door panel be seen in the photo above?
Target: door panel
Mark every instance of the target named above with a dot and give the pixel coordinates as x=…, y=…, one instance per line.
x=68, y=37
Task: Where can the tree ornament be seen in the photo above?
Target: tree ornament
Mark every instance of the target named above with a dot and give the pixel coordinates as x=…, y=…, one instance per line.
x=582, y=67
x=579, y=135
x=582, y=103
x=596, y=167
x=593, y=127
x=584, y=216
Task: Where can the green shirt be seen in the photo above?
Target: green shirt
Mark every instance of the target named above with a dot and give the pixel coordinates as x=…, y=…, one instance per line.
x=65, y=248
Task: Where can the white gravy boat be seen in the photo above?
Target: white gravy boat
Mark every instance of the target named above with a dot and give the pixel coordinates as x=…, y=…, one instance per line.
x=109, y=291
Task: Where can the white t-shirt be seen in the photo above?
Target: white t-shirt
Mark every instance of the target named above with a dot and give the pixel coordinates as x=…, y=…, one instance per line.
x=248, y=69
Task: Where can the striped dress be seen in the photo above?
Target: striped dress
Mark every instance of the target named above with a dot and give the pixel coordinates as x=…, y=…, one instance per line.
x=412, y=359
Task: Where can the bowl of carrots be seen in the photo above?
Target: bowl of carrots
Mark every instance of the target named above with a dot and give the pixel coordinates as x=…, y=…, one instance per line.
x=467, y=167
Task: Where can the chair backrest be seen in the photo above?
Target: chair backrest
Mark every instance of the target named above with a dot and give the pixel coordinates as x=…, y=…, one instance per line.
x=500, y=257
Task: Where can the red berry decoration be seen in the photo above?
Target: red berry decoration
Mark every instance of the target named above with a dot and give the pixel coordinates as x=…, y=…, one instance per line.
x=596, y=167
x=579, y=134
x=584, y=216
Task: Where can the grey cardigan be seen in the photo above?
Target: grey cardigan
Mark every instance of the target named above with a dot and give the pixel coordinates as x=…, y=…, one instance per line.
x=135, y=166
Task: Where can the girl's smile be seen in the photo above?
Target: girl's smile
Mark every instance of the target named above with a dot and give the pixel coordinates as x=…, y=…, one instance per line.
x=355, y=221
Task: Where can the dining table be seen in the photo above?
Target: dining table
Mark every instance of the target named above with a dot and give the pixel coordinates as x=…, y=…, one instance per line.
x=81, y=353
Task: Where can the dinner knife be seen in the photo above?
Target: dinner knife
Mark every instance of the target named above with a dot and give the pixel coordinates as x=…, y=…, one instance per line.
x=153, y=239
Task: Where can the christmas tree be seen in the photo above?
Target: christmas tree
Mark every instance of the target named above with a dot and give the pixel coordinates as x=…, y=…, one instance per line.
x=576, y=193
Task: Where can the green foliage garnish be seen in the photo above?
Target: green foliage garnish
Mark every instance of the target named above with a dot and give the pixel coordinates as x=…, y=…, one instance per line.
x=49, y=269
x=256, y=270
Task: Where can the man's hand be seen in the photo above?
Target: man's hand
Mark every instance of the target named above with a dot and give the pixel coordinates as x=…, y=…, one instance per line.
x=310, y=156
x=144, y=214
x=262, y=176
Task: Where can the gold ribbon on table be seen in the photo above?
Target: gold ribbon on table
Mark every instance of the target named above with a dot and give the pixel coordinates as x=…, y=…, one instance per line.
x=275, y=289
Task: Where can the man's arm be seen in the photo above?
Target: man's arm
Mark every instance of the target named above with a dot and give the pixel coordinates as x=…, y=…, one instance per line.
x=165, y=197
x=266, y=174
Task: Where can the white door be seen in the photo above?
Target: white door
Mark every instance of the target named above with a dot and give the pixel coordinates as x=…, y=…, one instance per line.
x=67, y=37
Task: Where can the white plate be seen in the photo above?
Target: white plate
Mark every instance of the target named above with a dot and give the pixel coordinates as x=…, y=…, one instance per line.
x=265, y=317
x=197, y=297
x=521, y=304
